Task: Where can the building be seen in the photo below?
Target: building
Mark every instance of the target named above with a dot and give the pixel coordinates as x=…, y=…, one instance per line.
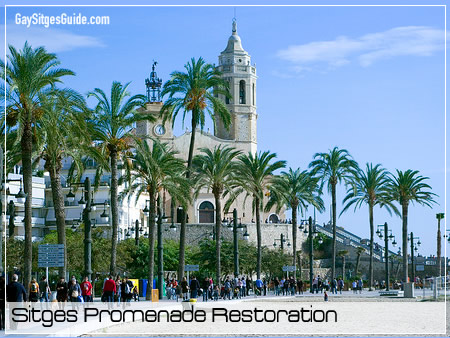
x=236, y=68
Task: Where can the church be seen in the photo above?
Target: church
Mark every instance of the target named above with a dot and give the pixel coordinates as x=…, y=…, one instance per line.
x=236, y=68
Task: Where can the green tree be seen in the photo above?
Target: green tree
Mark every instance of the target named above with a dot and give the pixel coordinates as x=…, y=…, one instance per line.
x=216, y=170
x=295, y=189
x=256, y=177
x=405, y=187
x=194, y=91
x=62, y=134
x=370, y=187
x=113, y=119
x=29, y=74
x=156, y=168
x=333, y=167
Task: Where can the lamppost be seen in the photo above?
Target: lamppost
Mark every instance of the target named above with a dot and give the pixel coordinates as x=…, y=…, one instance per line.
x=88, y=206
x=439, y=217
x=235, y=227
x=312, y=233
x=282, y=240
x=387, y=236
x=414, y=247
x=160, y=218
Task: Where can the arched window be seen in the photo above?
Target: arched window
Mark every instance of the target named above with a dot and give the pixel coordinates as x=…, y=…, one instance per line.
x=273, y=218
x=242, y=92
x=206, y=212
x=253, y=93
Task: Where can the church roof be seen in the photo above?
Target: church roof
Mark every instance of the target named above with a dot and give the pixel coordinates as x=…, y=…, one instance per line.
x=234, y=42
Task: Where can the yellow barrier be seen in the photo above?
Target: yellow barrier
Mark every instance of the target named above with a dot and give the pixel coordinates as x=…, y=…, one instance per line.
x=155, y=295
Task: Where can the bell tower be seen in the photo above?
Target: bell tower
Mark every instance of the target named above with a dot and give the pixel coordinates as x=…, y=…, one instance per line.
x=235, y=66
x=153, y=106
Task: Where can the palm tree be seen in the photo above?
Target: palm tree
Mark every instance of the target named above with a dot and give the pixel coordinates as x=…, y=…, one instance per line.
x=256, y=176
x=295, y=189
x=408, y=186
x=62, y=134
x=333, y=167
x=216, y=171
x=29, y=73
x=343, y=254
x=113, y=119
x=194, y=91
x=156, y=168
x=359, y=251
x=370, y=187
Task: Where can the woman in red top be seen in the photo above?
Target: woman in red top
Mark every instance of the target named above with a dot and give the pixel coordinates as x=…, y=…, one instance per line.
x=109, y=289
x=86, y=290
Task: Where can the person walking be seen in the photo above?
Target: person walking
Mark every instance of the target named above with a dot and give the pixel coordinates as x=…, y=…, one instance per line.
x=259, y=286
x=86, y=290
x=205, y=286
x=300, y=286
x=44, y=289
x=194, y=286
x=33, y=290
x=15, y=293
x=118, y=295
x=62, y=290
x=74, y=290
x=184, y=288
x=360, y=285
x=126, y=290
x=354, y=287
x=340, y=284
x=244, y=287
x=109, y=289
x=334, y=286
x=227, y=289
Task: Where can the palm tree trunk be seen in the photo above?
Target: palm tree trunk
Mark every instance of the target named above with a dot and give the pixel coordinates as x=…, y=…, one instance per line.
x=294, y=237
x=58, y=204
x=218, y=226
x=114, y=210
x=27, y=144
x=151, y=246
x=405, y=240
x=333, y=246
x=371, y=247
x=258, y=238
x=343, y=268
x=358, y=259
x=181, y=257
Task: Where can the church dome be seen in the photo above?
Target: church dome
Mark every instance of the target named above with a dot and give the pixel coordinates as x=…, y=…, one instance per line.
x=234, y=42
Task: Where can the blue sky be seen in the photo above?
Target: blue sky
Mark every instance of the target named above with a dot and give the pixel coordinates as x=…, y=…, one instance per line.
x=367, y=79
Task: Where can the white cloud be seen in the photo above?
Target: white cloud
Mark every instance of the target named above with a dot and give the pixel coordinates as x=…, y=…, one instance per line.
x=367, y=49
x=54, y=40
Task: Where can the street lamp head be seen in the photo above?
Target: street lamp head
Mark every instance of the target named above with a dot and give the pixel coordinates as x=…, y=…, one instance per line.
x=164, y=218
x=274, y=244
x=246, y=235
x=305, y=231
x=419, y=242
x=394, y=243
x=21, y=196
x=173, y=227
x=320, y=240
x=146, y=234
x=240, y=227
x=104, y=216
x=145, y=211
x=141, y=230
x=391, y=236
x=300, y=227
x=224, y=222
x=289, y=244
x=70, y=196
x=230, y=226
x=416, y=249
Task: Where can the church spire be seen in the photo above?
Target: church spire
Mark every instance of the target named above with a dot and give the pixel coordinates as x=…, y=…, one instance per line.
x=234, y=42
